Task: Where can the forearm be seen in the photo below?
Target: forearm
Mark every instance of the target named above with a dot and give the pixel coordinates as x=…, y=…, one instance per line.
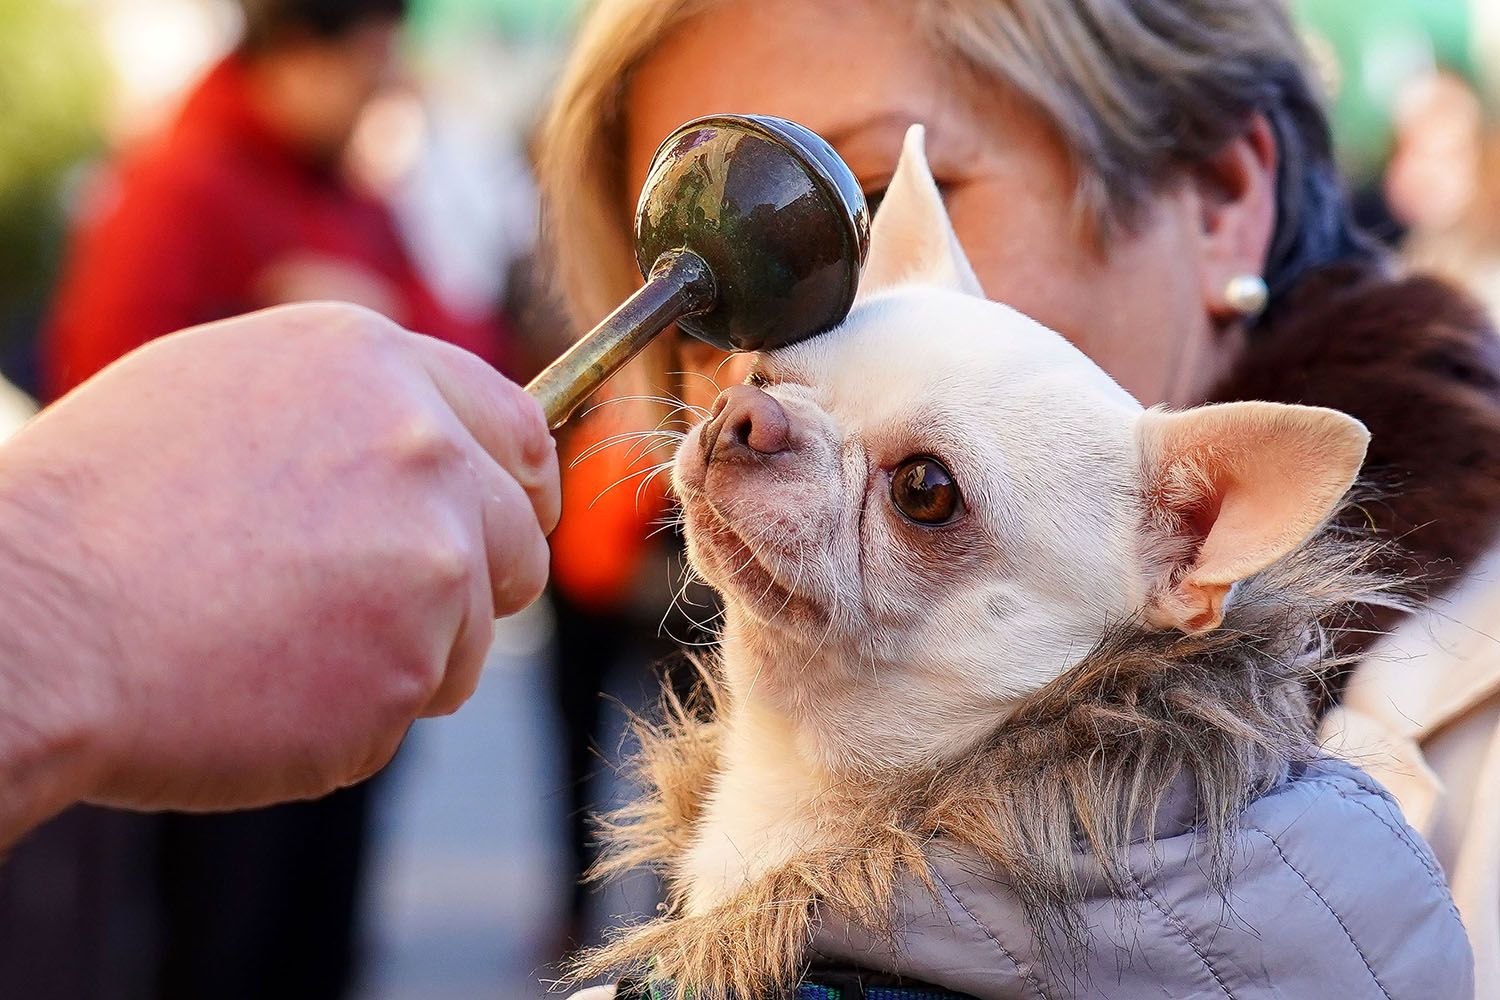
x=50, y=697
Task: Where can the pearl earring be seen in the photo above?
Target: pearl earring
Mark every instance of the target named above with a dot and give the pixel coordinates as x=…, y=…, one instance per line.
x=1247, y=295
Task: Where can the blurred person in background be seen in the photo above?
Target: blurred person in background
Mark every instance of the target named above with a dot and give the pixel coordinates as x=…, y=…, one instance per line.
x=1443, y=182
x=1154, y=179
x=1369, y=58
x=244, y=202
x=1413, y=95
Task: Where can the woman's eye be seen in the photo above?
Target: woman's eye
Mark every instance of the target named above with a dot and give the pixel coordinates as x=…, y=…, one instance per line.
x=924, y=491
x=875, y=196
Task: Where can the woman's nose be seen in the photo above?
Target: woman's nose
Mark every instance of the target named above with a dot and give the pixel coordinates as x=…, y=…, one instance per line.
x=745, y=423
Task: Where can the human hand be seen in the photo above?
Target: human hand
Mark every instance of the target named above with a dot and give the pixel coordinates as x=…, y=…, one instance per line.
x=238, y=563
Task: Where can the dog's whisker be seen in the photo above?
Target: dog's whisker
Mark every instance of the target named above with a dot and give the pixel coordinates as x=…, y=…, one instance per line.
x=697, y=374
x=790, y=593
x=665, y=437
x=649, y=471
x=665, y=525
x=664, y=400
x=689, y=577
x=646, y=482
x=720, y=367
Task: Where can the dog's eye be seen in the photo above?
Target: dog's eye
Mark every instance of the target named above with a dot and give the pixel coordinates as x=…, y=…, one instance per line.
x=924, y=491
x=758, y=379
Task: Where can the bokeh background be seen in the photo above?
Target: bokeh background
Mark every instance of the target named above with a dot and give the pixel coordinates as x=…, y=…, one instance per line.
x=465, y=877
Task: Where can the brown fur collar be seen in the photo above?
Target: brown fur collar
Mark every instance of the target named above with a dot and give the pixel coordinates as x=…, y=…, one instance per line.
x=1084, y=764
x=1419, y=363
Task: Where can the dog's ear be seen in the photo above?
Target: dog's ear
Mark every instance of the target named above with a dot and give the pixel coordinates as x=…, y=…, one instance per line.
x=1229, y=489
x=912, y=240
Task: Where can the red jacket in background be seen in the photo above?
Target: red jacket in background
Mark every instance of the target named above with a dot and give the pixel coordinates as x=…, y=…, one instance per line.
x=191, y=228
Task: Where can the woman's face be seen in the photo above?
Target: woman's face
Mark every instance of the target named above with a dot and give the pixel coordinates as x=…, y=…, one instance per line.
x=857, y=73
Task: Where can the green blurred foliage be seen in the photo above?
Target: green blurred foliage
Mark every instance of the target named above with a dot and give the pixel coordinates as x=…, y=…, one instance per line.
x=514, y=18
x=1372, y=50
x=53, y=82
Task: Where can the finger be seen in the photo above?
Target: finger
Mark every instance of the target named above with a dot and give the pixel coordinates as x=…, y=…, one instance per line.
x=515, y=547
x=380, y=754
x=506, y=422
x=517, y=561
x=466, y=659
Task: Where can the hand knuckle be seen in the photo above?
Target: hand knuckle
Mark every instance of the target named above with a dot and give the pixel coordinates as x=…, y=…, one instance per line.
x=409, y=689
x=377, y=758
x=449, y=566
x=422, y=441
x=364, y=322
x=344, y=323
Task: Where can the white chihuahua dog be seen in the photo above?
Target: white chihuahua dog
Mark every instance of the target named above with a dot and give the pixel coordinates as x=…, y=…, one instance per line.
x=942, y=505
x=922, y=518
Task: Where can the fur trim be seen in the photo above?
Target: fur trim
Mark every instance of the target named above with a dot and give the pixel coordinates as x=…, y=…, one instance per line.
x=1084, y=765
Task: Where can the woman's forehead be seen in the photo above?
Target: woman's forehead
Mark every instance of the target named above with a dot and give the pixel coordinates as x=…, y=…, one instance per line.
x=857, y=81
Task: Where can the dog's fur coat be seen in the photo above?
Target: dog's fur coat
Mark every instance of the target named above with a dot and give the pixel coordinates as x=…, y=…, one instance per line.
x=1089, y=758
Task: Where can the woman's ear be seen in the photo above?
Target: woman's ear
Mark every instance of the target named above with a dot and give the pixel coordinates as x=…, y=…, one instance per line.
x=1236, y=199
x=1230, y=489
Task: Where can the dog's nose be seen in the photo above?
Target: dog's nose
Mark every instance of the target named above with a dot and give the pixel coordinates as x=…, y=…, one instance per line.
x=746, y=423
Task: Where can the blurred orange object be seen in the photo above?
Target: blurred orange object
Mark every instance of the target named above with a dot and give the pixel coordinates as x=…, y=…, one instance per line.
x=608, y=514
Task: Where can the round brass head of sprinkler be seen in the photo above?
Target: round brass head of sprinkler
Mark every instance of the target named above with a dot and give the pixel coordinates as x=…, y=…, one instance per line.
x=775, y=214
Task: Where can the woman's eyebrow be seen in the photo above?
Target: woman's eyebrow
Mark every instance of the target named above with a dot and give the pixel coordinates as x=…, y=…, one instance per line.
x=895, y=120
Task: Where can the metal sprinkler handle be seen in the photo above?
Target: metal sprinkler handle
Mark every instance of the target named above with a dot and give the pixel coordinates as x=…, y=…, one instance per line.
x=751, y=233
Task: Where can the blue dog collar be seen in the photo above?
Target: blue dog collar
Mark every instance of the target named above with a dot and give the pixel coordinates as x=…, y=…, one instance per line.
x=811, y=991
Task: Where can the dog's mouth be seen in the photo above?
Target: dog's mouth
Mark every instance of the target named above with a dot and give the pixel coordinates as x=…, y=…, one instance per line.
x=745, y=566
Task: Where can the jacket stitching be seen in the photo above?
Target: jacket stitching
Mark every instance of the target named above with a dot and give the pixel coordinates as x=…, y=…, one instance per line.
x=1433, y=873
x=1400, y=834
x=1022, y=972
x=1181, y=929
x=1327, y=906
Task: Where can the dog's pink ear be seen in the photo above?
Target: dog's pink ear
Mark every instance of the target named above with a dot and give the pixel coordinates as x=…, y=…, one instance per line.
x=912, y=240
x=1230, y=489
